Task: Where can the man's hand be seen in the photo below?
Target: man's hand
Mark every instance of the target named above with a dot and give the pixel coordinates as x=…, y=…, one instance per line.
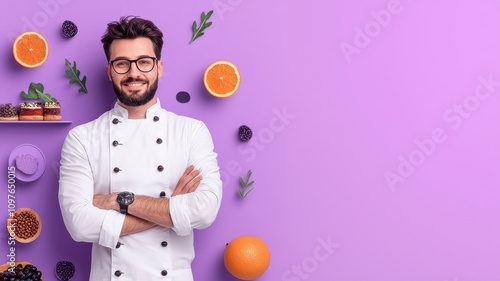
x=106, y=202
x=188, y=182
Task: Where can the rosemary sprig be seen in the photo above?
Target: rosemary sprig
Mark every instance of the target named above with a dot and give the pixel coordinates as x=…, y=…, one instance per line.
x=36, y=91
x=198, y=31
x=73, y=71
x=243, y=192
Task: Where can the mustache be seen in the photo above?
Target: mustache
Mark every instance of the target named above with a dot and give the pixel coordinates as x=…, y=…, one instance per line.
x=131, y=79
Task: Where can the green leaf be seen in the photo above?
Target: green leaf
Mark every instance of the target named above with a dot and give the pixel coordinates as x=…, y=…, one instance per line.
x=248, y=192
x=243, y=192
x=37, y=86
x=198, y=32
x=73, y=71
x=46, y=97
x=36, y=91
x=32, y=94
x=240, y=193
x=24, y=95
x=193, y=28
x=39, y=93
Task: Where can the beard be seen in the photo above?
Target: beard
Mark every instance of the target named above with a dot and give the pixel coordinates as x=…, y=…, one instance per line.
x=134, y=99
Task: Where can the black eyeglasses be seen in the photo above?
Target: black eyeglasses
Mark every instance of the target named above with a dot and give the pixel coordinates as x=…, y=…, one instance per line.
x=144, y=64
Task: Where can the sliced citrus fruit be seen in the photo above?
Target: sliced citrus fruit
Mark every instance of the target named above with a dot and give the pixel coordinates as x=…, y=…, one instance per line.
x=30, y=49
x=222, y=79
x=247, y=257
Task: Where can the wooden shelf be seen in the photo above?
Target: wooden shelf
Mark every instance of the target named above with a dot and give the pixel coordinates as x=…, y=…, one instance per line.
x=36, y=122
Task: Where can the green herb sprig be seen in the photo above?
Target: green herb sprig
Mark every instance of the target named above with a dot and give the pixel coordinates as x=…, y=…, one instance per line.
x=198, y=31
x=243, y=192
x=73, y=71
x=36, y=91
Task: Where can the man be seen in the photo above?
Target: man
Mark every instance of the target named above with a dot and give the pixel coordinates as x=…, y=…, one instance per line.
x=136, y=181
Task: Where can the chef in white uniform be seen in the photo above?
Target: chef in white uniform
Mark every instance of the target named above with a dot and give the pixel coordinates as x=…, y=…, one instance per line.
x=136, y=181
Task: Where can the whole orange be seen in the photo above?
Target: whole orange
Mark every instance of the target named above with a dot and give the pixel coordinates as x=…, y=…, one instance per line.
x=247, y=257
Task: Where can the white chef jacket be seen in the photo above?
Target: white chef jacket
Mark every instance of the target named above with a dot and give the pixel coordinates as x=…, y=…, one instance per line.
x=146, y=157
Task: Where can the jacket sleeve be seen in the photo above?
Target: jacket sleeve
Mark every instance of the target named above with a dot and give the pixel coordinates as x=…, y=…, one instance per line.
x=84, y=221
x=198, y=209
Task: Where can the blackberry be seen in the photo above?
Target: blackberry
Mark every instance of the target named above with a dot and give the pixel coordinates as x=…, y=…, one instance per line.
x=245, y=133
x=69, y=29
x=29, y=272
x=183, y=97
x=8, y=110
x=65, y=270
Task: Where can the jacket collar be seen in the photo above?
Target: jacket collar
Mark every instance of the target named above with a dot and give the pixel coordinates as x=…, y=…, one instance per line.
x=120, y=111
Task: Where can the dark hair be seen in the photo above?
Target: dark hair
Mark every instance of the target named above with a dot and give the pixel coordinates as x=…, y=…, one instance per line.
x=131, y=27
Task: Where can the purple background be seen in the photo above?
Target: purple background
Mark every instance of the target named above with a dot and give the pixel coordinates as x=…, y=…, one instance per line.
x=370, y=88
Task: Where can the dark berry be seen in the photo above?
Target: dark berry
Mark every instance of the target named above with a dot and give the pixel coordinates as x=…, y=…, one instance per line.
x=183, y=97
x=245, y=133
x=20, y=272
x=69, y=29
x=8, y=110
x=65, y=270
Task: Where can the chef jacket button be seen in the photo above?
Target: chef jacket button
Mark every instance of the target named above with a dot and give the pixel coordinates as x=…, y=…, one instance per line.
x=162, y=194
x=116, y=170
x=116, y=121
x=159, y=141
x=115, y=143
x=118, y=273
x=164, y=272
x=164, y=243
x=156, y=118
x=160, y=168
x=118, y=245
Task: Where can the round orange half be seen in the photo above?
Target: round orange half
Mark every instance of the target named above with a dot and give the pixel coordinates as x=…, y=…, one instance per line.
x=30, y=49
x=222, y=79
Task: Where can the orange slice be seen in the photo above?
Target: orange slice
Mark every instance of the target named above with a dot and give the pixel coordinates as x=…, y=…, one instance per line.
x=30, y=49
x=222, y=79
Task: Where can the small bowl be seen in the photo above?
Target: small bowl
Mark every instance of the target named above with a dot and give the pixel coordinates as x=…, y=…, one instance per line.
x=12, y=224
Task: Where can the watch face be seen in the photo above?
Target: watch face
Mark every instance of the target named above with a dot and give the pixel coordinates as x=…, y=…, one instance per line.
x=125, y=198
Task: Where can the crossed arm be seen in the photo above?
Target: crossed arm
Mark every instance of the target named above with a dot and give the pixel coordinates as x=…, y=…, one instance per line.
x=147, y=212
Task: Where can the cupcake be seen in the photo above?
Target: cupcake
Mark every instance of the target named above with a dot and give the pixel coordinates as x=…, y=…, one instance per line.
x=30, y=111
x=8, y=112
x=52, y=111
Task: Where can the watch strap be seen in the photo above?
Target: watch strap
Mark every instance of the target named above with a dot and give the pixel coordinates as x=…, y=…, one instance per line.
x=123, y=209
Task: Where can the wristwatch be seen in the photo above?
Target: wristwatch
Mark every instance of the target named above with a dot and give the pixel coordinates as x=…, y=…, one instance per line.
x=124, y=199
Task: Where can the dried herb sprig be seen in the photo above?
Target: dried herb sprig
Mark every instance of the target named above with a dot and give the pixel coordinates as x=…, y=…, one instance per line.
x=73, y=71
x=243, y=192
x=36, y=91
x=198, y=31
